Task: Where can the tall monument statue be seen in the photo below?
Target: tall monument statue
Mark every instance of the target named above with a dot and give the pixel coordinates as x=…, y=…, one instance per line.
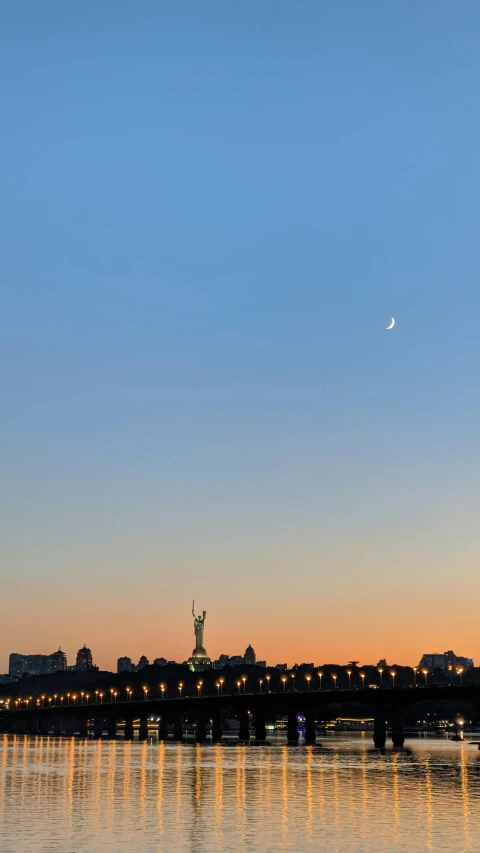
x=198, y=622
x=199, y=659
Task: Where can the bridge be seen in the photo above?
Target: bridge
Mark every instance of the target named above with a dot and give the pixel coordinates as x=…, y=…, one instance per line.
x=208, y=713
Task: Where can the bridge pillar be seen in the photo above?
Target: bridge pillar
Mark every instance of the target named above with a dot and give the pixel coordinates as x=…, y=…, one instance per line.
x=69, y=727
x=57, y=726
x=9, y=727
x=178, y=727
x=292, y=727
x=143, y=729
x=244, y=731
x=20, y=727
x=398, y=736
x=31, y=727
x=128, y=730
x=259, y=720
x=310, y=728
x=217, y=726
x=82, y=728
x=44, y=726
x=97, y=727
x=112, y=728
x=163, y=728
x=379, y=728
x=201, y=730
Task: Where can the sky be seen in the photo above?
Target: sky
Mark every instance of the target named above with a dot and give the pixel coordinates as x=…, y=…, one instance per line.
x=209, y=213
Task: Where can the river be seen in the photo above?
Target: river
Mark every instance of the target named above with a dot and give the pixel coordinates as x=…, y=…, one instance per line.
x=341, y=796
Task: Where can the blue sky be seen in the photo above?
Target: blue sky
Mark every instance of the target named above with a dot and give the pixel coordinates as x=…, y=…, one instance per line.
x=209, y=214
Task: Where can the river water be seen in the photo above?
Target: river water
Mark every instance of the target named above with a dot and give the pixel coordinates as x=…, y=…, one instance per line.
x=74, y=796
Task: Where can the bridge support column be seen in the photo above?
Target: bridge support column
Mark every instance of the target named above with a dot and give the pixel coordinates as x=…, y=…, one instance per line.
x=310, y=728
x=69, y=727
x=112, y=728
x=82, y=728
x=44, y=726
x=143, y=729
x=217, y=726
x=128, y=730
x=163, y=728
x=244, y=731
x=97, y=727
x=292, y=728
x=379, y=728
x=31, y=727
x=201, y=730
x=178, y=727
x=398, y=736
x=20, y=727
x=57, y=726
x=260, y=719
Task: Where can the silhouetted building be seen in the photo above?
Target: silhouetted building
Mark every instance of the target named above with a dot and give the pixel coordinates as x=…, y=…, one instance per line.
x=161, y=662
x=446, y=660
x=19, y=665
x=281, y=666
x=36, y=664
x=142, y=663
x=250, y=656
x=125, y=665
x=58, y=661
x=84, y=659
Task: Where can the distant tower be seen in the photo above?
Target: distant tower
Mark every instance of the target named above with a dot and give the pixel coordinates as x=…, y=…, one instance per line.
x=84, y=659
x=250, y=656
x=142, y=663
x=199, y=659
x=57, y=661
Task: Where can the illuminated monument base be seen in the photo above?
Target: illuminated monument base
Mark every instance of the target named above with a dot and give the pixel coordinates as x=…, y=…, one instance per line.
x=199, y=659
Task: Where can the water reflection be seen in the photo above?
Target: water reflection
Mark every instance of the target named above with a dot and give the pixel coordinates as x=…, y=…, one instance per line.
x=111, y=796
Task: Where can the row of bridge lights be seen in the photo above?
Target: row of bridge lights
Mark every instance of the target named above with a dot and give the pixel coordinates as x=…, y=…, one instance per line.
x=83, y=698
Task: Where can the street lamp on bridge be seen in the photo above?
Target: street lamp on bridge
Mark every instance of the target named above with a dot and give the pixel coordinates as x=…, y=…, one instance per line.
x=320, y=676
x=308, y=679
x=393, y=674
x=349, y=673
x=425, y=675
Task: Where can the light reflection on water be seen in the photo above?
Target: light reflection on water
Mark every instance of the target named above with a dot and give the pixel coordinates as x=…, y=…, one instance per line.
x=62, y=795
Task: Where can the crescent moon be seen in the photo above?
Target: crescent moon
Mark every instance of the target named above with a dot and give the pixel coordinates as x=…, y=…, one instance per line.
x=392, y=323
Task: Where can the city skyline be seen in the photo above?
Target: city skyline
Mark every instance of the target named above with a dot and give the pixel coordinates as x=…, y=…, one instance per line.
x=84, y=654
x=202, y=248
